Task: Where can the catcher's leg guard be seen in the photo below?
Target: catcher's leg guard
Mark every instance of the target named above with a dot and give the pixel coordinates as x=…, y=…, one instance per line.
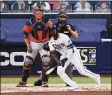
x=25, y=74
x=26, y=71
x=27, y=68
x=45, y=62
x=43, y=78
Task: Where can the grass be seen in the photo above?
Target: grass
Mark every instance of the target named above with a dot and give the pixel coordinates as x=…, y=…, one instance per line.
x=57, y=80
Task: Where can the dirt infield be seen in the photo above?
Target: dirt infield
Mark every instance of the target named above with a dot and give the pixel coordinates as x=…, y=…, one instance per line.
x=56, y=89
x=62, y=93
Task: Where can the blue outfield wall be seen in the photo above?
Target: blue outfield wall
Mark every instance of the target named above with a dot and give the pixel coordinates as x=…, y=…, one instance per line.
x=88, y=29
x=96, y=55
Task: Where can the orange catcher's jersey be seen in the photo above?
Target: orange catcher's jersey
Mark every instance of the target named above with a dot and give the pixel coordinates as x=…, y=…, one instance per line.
x=38, y=30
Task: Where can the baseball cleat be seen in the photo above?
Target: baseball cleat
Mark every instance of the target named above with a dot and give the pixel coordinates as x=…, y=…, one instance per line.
x=98, y=80
x=38, y=83
x=45, y=84
x=21, y=84
x=70, y=88
x=67, y=85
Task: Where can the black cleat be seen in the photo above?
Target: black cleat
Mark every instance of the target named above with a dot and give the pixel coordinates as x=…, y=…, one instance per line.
x=38, y=83
x=68, y=85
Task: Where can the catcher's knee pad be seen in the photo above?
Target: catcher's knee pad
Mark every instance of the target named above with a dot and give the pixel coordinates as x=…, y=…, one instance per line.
x=45, y=60
x=28, y=62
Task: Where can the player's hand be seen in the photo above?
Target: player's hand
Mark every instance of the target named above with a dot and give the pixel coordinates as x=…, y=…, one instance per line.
x=46, y=47
x=62, y=62
x=68, y=27
x=29, y=49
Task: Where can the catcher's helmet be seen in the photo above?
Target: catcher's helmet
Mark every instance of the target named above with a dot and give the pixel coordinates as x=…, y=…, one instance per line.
x=38, y=7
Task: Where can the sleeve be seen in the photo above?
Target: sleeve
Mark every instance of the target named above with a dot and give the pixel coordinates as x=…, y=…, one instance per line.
x=70, y=47
x=68, y=43
x=28, y=27
x=47, y=21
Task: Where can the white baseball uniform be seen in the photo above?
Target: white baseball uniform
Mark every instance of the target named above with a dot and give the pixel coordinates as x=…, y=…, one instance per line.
x=64, y=45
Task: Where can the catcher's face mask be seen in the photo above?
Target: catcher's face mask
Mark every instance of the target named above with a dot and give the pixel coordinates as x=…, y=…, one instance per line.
x=62, y=18
x=38, y=11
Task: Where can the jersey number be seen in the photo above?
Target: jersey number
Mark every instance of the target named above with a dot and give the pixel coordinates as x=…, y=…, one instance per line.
x=58, y=46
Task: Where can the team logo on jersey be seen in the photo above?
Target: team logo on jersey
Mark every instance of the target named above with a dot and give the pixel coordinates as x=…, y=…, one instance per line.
x=58, y=46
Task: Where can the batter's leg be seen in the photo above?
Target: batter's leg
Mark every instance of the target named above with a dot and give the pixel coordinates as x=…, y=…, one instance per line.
x=64, y=76
x=76, y=60
x=69, y=71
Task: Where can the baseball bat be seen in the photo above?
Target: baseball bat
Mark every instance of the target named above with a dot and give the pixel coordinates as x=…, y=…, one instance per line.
x=50, y=70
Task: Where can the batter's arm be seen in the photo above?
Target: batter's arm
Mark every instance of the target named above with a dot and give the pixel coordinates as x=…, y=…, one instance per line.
x=70, y=47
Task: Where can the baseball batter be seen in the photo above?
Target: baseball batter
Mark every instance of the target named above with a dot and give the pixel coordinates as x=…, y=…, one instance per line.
x=62, y=43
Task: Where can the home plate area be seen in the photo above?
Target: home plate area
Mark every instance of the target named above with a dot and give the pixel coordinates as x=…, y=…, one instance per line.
x=6, y=88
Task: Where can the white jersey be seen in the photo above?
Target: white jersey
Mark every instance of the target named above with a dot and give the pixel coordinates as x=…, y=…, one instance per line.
x=62, y=44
